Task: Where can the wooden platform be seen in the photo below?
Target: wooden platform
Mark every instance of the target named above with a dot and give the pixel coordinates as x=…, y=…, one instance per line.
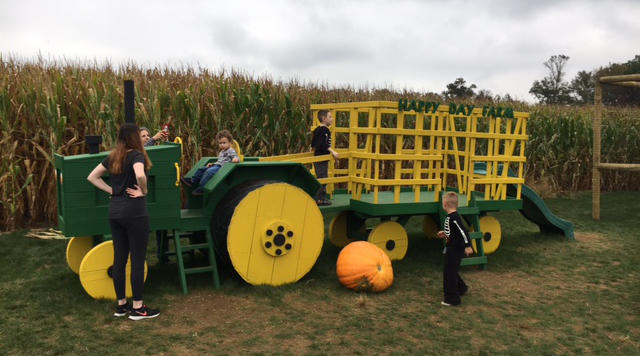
x=407, y=206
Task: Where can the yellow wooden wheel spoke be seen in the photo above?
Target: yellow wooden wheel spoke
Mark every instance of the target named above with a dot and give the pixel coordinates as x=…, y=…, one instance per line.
x=338, y=230
x=275, y=235
x=95, y=269
x=491, y=234
x=77, y=248
x=392, y=238
x=429, y=227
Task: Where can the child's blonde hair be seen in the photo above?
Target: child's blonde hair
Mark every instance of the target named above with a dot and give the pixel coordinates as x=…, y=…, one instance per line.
x=450, y=199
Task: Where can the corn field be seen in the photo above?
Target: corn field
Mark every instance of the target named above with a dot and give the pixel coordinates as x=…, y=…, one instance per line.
x=48, y=108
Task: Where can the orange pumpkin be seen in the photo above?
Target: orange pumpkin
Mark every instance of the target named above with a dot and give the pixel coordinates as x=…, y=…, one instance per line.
x=363, y=266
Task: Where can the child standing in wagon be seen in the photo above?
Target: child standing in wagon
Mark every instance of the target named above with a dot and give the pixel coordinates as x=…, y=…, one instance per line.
x=321, y=145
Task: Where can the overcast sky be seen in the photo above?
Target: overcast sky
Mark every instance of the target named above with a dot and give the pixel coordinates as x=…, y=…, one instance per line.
x=420, y=45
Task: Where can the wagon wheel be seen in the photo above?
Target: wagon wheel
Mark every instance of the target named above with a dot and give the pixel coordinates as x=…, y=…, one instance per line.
x=77, y=248
x=429, y=227
x=491, y=234
x=275, y=235
x=95, y=272
x=391, y=238
x=338, y=232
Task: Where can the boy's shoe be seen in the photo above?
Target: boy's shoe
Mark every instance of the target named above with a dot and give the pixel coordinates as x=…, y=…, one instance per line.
x=143, y=313
x=186, y=181
x=323, y=202
x=198, y=191
x=448, y=304
x=122, y=310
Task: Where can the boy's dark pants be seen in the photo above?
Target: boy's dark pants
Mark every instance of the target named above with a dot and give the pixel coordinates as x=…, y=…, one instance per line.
x=322, y=171
x=454, y=286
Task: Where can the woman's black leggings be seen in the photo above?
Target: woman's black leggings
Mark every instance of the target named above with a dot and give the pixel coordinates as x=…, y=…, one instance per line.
x=130, y=235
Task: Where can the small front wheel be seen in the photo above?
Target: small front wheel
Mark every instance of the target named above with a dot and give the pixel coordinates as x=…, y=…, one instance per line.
x=430, y=227
x=491, y=235
x=392, y=238
x=339, y=232
x=77, y=248
x=95, y=272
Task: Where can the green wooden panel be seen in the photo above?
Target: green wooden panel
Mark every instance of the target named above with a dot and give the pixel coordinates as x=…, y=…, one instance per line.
x=233, y=174
x=499, y=205
x=83, y=209
x=386, y=207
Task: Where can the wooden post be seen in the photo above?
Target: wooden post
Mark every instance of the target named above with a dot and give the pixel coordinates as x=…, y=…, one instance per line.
x=628, y=80
x=595, y=176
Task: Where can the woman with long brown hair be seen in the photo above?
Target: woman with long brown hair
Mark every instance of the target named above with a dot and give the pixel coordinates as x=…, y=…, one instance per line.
x=128, y=216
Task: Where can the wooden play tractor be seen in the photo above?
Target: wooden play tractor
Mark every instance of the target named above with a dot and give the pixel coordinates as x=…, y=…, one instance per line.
x=396, y=160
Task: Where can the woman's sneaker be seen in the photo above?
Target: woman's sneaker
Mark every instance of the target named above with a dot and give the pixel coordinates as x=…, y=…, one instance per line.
x=122, y=310
x=143, y=313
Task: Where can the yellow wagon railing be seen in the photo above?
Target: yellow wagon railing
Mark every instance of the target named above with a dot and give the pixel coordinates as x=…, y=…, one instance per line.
x=422, y=146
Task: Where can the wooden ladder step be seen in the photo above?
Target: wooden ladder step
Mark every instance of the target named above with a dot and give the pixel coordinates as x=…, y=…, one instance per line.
x=180, y=249
x=471, y=261
x=195, y=247
x=198, y=269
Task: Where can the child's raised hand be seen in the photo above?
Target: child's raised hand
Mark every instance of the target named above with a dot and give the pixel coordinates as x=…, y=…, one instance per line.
x=334, y=154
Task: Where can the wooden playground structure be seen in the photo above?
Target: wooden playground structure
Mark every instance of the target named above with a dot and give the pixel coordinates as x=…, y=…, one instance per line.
x=629, y=80
x=396, y=159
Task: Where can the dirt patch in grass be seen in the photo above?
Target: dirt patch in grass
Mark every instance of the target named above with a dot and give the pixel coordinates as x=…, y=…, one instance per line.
x=203, y=308
x=490, y=283
x=595, y=241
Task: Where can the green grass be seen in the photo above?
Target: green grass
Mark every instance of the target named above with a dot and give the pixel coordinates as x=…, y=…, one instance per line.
x=540, y=295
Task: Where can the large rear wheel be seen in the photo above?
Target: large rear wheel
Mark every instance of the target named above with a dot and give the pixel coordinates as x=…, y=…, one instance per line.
x=275, y=234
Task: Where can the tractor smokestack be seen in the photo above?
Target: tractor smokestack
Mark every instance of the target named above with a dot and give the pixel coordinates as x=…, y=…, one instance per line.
x=129, y=103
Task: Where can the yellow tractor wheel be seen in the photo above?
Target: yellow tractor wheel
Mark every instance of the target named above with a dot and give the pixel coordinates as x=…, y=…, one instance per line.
x=77, y=248
x=429, y=227
x=491, y=234
x=338, y=234
x=95, y=272
x=392, y=238
x=275, y=235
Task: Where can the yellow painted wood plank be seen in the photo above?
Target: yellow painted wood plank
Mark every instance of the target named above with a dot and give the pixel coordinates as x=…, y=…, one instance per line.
x=399, y=182
x=396, y=157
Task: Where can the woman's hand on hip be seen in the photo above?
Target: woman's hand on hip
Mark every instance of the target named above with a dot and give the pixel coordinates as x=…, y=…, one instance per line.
x=135, y=193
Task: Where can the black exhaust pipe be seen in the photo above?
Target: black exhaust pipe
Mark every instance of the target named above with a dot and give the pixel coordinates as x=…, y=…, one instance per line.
x=129, y=102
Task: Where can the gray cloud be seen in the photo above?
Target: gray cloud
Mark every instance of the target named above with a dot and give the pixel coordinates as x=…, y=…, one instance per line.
x=499, y=45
